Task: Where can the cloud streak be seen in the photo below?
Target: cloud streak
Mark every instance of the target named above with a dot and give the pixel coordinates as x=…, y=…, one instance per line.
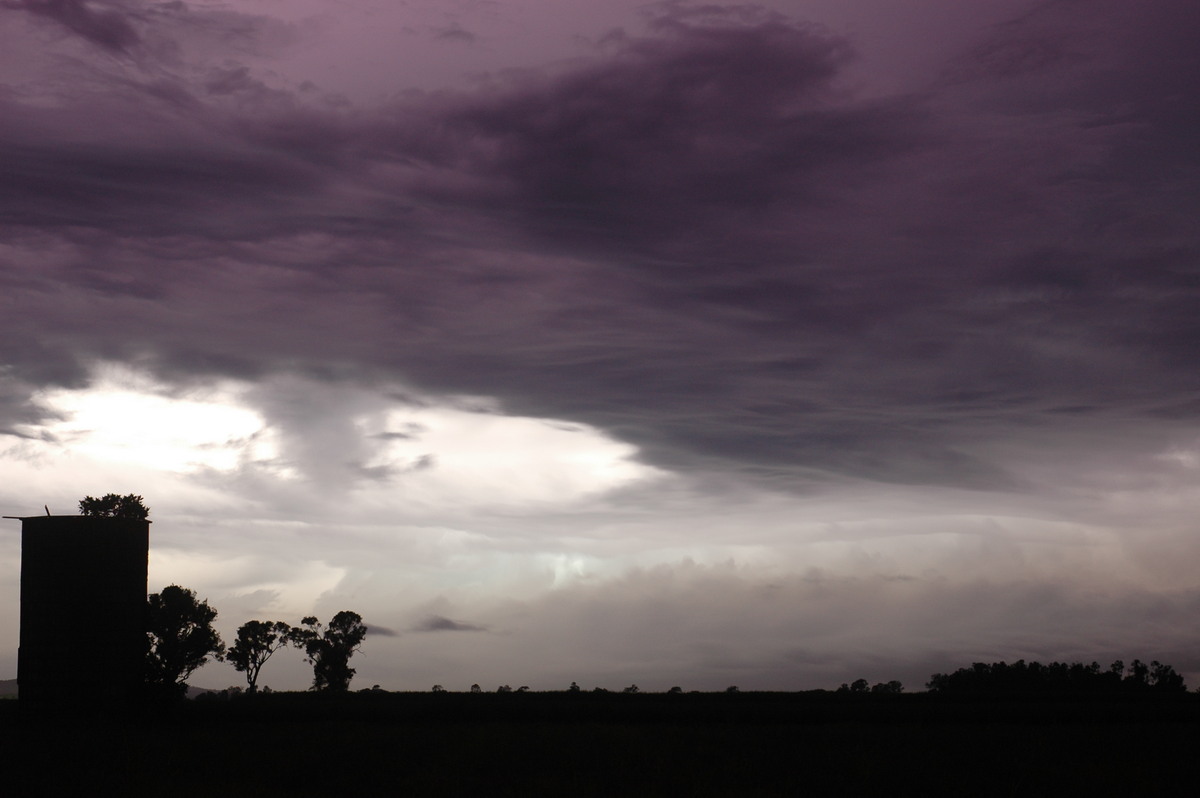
x=108, y=29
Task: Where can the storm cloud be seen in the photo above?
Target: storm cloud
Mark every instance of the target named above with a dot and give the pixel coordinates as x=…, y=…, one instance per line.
x=702, y=237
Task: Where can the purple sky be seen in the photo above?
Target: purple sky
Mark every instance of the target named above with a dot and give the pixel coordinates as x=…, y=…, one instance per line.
x=675, y=343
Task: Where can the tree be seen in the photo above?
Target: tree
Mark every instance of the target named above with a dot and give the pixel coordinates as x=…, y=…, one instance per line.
x=180, y=638
x=329, y=649
x=1165, y=679
x=1139, y=674
x=113, y=506
x=256, y=642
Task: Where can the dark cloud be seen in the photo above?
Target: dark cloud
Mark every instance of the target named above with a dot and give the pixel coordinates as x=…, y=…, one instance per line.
x=436, y=623
x=454, y=33
x=381, y=631
x=699, y=241
x=103, y=24
x=700, y=126
x=155, y=36
x=388, y=471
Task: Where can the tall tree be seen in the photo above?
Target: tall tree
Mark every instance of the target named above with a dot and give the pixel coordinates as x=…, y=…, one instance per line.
x=256, y=642
x=180, y=637
x=329, y=649
x=113, y=506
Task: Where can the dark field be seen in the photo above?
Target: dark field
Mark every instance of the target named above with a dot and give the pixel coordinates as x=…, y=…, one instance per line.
x=613, y=744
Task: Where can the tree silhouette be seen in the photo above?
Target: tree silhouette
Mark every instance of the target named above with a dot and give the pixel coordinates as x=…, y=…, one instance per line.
x=256, y=642
x=329, y=649
x=180, y=638
x=1165, y=679
x=113, y=506
x=1034, y=678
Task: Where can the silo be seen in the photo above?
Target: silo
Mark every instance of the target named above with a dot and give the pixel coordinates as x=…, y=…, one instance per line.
x=83, y=610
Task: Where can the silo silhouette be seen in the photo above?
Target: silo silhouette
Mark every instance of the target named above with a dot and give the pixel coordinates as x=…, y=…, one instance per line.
x=83, y=611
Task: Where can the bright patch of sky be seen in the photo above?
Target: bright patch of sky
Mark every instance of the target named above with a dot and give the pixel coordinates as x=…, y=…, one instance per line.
x=489, y=459
x=463, y=451
x=125, y=418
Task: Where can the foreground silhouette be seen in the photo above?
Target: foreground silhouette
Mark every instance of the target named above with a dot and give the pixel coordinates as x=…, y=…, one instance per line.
x=113, y=506
x=256, y=642
x=181, y=638
x=83, y=605
x=329, y=649
x=613, y=743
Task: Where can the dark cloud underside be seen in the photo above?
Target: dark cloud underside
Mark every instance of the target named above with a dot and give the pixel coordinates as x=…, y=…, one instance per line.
x=107, y=29
x=698, y=241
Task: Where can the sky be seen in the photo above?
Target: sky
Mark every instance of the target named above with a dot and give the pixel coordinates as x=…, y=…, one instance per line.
x=773, y=345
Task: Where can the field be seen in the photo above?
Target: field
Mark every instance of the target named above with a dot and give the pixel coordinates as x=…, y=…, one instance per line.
x=612, y=744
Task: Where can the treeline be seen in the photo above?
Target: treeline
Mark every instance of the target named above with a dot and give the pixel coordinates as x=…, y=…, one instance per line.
x=863, y=686
x=1058, y=678
x=1019, y=678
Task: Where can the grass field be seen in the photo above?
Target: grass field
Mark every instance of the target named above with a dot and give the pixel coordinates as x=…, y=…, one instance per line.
x=602, y=745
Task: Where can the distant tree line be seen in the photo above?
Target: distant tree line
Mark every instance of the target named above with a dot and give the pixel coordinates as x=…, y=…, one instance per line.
x=996, y=679
x=1058, y=678
x=863, y=686
x=632, y=689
